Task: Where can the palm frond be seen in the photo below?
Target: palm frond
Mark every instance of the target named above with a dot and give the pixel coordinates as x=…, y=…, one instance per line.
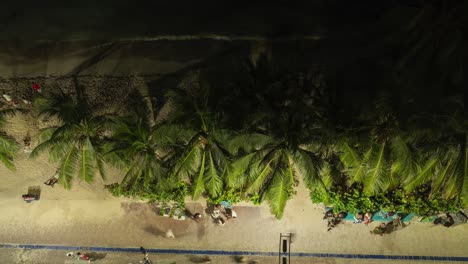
x=199, y=186
x=87, y=161
x=59, y=149
x=456, y=182
x=307, y=167
x=61, y=106
x=464, y=193
x=189, y=162
x=329, y=175
x=441, y=176
x=403, y=159
x=349, y=156
x=236, y=172
x=44, y=141
x=8, y=149
x=68, y=167
x=359, y=171
x=260, y=174
x=423, y=174
x=213, y=181
x=100, y=165
x=279, y=192
x=133, y=178
x=249, y=142
x=378, y=173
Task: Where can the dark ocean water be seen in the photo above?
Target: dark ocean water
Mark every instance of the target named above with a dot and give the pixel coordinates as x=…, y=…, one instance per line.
x=105, y=19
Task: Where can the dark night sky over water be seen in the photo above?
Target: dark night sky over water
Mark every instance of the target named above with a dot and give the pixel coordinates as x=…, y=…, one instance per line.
x=126, y=19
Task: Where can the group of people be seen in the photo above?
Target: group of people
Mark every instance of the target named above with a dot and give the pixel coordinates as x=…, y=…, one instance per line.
x=332, y=219
x=387, y=228
x=359, y=218
x=79, y=256
x=444, y=220
x=220, y=217
x=366, y=218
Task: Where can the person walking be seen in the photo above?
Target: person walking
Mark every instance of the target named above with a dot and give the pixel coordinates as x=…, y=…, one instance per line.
x=170, y=234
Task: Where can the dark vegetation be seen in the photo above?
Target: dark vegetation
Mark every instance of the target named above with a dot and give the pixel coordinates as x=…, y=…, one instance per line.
x=383, y=127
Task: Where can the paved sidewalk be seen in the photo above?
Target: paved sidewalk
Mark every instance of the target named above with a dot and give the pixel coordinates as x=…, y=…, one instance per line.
x=44, y=256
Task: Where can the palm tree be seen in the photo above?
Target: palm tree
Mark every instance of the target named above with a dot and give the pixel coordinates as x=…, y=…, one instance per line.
x=288, y=141
x=270, y=168
x=75, y=141
x=444, y=136
x=204, y=160
x=143, y=151
x=428, y=148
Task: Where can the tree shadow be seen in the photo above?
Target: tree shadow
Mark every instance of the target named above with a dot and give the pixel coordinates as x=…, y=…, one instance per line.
x=155, y=231
x=199, y=259
x=243, y=259
x=96, y=256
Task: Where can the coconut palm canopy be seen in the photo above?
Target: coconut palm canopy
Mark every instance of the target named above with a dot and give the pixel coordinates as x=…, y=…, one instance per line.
x=285, y=140
x=75, y=141
x=204, y=160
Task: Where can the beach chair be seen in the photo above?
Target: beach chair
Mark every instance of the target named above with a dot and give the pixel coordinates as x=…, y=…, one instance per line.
x=34, y=194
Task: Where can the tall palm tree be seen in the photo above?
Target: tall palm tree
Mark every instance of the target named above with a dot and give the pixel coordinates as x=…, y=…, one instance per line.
x=143, y=151
x=205, y=158
x=429, y=148
x=270, y=168
x=443, y=134
x=75, y=141
x=287, y=142
x=386, y=159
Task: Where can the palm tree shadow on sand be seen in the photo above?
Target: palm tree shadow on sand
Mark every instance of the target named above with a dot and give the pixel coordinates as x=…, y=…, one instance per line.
x=155, y=231
x=96, y=256
x=199, y=259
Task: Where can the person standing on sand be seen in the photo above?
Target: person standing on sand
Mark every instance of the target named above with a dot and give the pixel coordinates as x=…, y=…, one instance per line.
x=169, y=234
x=27, y=143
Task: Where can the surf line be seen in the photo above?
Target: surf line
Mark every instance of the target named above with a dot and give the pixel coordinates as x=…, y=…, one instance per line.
x=233, y=253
